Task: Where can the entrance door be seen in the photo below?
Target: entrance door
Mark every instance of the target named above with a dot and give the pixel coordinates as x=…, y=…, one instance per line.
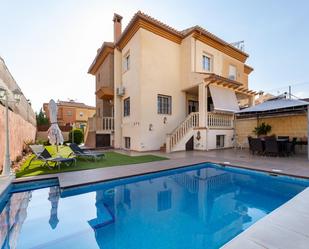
x=190, y=144
x=103, y=140
x=192, y=106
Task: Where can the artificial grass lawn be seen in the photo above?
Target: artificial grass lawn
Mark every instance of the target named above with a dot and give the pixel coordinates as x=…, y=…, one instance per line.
x=112, y=159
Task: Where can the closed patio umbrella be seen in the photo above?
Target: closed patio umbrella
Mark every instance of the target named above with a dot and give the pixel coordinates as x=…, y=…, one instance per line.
x=53, y=197
x=54, y=133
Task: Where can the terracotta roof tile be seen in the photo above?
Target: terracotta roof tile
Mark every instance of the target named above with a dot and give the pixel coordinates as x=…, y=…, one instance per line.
x=74, y=104
x=182, y=33
x=150, y=19
x=198, y=28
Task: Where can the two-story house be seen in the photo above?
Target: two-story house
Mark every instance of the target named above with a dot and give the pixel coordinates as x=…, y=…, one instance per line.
x=72, y=113
x=157, y=87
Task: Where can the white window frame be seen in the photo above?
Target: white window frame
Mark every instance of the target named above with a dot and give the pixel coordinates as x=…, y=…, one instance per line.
x=126, y=109
x=126, y=61
x=220, y=141
x=231, y=76
x=164, y=106
x=127, y=143
x=210, y=57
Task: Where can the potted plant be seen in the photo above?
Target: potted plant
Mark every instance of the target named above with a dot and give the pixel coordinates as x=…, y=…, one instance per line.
x=262, y=129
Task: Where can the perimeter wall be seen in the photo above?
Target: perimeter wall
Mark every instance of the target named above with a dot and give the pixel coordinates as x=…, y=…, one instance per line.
x=20, y=131
x=290, y=125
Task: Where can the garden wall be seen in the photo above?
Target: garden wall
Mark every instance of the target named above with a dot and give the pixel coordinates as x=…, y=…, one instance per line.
x=20, y=131
x=42, y=135
x=290, y=125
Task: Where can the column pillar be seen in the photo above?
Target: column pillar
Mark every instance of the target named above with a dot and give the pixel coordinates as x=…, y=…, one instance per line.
x=202, y=102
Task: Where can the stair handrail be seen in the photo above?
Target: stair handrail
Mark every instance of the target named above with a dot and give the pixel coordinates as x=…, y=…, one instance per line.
x=191, y=121
x=188, y=117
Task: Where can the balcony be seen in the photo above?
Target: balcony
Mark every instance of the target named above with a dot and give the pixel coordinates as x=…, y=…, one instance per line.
x=105, y=93
x=101, y=124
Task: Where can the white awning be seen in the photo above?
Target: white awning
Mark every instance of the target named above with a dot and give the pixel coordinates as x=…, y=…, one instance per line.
x=224, y=99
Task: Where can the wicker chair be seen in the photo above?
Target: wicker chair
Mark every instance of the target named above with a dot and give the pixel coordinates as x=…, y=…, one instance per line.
x=256, y=146
x=271, y=147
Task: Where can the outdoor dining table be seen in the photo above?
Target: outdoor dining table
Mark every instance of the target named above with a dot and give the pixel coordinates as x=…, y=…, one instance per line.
x=283, y=145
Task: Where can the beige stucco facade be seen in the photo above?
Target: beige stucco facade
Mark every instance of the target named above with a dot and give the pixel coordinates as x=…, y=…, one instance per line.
x=161, y=64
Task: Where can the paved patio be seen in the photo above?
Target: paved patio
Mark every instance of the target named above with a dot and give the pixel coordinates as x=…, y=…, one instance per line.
x=296, y=165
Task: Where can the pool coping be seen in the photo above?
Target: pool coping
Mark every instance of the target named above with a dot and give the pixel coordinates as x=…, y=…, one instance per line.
x=285, y=227
x=260, y=235
x=91, y=176
x=5, y=183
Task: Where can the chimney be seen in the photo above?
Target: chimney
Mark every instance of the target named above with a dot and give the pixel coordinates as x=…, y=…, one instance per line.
x=117, y=26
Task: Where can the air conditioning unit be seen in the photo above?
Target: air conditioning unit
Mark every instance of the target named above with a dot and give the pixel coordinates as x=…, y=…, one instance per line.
x=120, y=91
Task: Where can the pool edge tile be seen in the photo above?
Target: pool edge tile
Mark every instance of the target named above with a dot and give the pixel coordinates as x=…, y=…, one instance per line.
x=268, y=227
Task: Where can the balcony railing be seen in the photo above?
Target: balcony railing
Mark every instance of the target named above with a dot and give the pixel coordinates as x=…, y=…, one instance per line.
x=101, y=124
x=218, y=120
x=107, y=124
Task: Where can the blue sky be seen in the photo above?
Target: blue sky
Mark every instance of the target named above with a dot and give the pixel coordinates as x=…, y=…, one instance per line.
x=49, y=45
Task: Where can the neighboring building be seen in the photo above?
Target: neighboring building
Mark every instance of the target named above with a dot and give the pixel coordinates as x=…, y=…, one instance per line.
x=157, y=87
x=22, y=120
x=72, y=113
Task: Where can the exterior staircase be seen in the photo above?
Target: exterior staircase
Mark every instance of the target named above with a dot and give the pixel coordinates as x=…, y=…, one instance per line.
x=89, y=135
x=163, y=148
x=182, y=133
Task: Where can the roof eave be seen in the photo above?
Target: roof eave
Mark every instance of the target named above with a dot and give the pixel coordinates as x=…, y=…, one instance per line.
x=248, y=69
x=106, y=48
x=138, y=21
x=199, y=30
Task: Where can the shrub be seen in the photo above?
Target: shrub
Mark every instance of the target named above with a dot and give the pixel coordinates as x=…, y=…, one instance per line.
x=262, y=129
x=78, y=136
x=41, y=118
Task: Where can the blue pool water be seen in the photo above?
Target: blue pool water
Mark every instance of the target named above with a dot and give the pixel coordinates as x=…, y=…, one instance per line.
x=203, y=206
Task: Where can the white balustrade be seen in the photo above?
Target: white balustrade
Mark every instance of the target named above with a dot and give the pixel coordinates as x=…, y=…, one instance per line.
x=101, y=124
x=191, y=121
x=218, y=120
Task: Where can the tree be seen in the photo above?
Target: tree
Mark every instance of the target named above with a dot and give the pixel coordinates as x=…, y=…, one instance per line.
x=41, y=118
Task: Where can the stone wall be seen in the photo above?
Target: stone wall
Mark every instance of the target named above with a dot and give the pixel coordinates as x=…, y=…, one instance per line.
x=243, y=129
x=291, y=125
x=20, y=131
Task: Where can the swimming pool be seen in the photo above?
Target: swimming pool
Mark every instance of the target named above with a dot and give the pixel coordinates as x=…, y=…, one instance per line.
x=202, y=206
